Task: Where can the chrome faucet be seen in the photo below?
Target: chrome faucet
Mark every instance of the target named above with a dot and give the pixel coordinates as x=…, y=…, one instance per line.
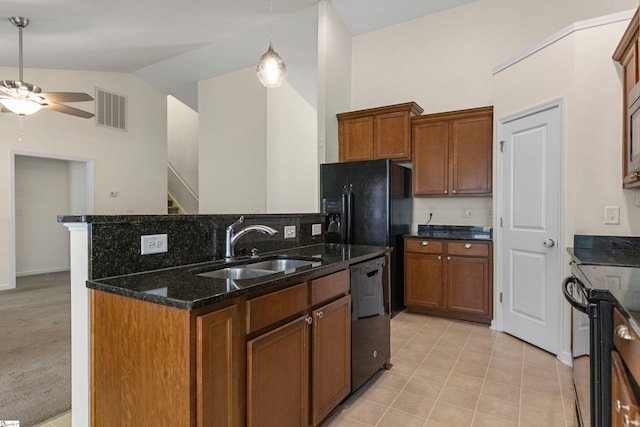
x=232, y=238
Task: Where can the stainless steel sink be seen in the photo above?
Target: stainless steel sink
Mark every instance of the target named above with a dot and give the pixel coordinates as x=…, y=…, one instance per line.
x=281, y=264
x=237, y=273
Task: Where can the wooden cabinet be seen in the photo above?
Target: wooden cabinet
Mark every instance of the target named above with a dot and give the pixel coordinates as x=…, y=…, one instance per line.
x=452, y=153
x=449, y=278
x=625, y=373
x=376, y=133
x=279, y=359
x=299, y=372
x=627, y=55
x=219, y=353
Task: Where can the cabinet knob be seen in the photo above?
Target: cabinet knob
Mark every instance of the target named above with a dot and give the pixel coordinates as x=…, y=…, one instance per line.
x=454, y=191
x=424, y=243
x=627, y=421
x=623, y=332
x=620, y=406
x=467, y=245
x=439, y=256
x=448, y=258
x=446, y=192
x=375, y=353
x=309, y=319
x=320, y=314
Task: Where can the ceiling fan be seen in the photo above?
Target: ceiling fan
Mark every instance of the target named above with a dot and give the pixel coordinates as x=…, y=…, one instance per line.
x=24, y=98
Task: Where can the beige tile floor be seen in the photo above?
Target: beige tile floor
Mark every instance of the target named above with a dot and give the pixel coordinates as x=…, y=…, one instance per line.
x=63, y=420
x=452, y=373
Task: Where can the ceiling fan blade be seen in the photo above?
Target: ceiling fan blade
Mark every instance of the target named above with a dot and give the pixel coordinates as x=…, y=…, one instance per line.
x=68, y=110
x=65, y=96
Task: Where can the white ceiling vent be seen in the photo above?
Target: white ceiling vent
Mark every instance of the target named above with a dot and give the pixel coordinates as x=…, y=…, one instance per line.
x=111, y=110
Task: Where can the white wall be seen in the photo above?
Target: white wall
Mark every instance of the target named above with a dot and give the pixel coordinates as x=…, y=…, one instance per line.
x=444, y=62
x=334, y=79
x=41, y=193
x=232, y=143
x=182, y=141
x=132, y=163
x=292, y=155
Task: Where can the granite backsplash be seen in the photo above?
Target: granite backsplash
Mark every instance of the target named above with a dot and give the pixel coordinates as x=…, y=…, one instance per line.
x=115, y=239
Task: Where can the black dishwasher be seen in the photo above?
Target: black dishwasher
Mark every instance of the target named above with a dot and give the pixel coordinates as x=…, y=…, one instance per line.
x=370, y=322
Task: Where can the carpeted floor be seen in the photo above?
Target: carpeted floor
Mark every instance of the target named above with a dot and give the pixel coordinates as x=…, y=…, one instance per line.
x=35, y=349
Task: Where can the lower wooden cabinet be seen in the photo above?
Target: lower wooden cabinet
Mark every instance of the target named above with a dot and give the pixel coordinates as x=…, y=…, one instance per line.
x=309, y=354
x=281, y=359
x=449, y=278
x=624, y=407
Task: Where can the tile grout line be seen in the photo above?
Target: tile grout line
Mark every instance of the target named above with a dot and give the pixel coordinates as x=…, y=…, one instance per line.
x=414, y=372
x=484, y=378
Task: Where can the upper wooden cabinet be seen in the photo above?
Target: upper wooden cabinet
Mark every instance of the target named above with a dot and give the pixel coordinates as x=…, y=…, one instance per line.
x=376, y=133
x=627, y=55
x=452, y=153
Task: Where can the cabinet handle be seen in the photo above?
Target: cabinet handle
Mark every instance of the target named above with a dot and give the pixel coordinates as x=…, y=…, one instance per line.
x=628, y=422
x=454, y=191
x=619, y=406
x=623, y=332
x=320, y=314
x=448, y=258
x=467, y=245
x=309, y=320
x=375, y=353
x=439, y=256
x=423, y=243
x=446, y=192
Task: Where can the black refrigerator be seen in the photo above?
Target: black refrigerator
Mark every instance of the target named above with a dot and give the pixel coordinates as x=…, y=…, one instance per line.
x=369, y=203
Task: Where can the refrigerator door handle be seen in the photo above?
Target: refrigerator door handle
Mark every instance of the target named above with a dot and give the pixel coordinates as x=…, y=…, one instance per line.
x=350, y=202
x=344, y=215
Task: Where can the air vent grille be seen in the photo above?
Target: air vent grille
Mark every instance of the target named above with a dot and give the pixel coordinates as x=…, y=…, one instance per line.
x=111, y=110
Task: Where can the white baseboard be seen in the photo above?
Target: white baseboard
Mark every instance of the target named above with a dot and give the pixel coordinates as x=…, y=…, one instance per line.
x=566, y=358
x=42, y=271
x=6, y=287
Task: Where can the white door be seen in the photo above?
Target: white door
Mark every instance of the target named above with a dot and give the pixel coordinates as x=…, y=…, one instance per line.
x=530, y=191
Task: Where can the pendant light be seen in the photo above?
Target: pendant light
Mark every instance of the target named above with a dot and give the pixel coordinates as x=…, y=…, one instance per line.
x=271, y=68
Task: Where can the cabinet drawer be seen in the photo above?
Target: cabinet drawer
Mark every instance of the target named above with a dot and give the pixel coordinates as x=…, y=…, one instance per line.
x=468, y=249
x=327, y=287
x=423, y=246
x=268, y=309
x=627, y=342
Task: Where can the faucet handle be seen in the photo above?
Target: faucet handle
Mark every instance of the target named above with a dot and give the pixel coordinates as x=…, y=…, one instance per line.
x=238, y=222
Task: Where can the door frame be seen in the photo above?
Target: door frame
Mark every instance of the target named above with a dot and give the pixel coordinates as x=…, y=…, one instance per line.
x=564, y=354
x=12, y=199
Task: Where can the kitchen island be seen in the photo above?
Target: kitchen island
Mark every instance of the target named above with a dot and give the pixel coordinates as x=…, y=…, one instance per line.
x=170, y=346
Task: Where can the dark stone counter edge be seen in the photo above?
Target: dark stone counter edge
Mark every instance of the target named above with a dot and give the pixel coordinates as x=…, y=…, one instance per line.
x=94, y=219
x=450, y=237
x=259, y=284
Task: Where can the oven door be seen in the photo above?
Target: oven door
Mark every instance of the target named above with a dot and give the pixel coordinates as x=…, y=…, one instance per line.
x=575, y=294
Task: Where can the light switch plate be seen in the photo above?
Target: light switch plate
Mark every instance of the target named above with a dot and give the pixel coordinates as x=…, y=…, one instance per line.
x=289, y=231
x=153, y=244
x=316, y=229
x=612, y=215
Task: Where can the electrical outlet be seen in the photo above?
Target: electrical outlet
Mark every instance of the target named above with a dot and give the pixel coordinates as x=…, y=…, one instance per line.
x=289, y=231
x=612, y=215
x=316, y=229
x=466, y=212
x=153, y=244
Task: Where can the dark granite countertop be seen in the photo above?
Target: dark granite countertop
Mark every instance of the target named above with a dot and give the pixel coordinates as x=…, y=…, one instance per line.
x=181, y=287
x=454, y=232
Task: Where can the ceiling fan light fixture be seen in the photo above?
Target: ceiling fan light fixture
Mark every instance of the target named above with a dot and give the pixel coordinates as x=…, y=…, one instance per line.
x=271, y=68
x=24, y=107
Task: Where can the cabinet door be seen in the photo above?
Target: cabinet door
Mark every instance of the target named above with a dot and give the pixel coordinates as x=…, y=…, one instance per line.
x=423, y=280
x=355, y=139
x=624, y=408
x=392, y=136
x=331, y=369
x=278, y=377
x=430, y=158
x=471, y=155
x=468, y=285
x=219, y=342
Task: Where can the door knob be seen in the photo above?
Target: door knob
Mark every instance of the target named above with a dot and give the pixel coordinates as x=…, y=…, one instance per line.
x=549, y=243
